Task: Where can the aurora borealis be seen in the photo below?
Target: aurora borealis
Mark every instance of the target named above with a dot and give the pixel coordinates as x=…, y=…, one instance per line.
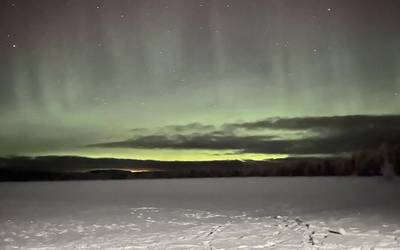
x=193, y=80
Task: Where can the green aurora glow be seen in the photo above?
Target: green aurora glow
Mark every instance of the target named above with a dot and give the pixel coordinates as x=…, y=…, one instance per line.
x=76, y=73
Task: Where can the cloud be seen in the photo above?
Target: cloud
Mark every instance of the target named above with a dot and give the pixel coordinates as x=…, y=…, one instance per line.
x=335, y=123
x=314, y=135
x=191, y=127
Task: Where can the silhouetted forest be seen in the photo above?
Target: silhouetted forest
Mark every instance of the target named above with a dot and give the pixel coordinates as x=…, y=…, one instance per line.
x=382, y=161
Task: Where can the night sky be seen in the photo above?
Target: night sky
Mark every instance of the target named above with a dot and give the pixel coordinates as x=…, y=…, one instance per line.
x=198, y=80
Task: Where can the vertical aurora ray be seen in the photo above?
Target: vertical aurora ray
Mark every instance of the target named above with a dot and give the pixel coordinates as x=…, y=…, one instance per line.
x=74, y=73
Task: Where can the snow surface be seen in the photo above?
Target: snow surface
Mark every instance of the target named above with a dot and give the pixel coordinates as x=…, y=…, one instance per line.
x=215, y=213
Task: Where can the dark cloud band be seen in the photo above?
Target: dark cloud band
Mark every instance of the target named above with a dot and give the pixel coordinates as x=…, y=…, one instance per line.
x=321, y=135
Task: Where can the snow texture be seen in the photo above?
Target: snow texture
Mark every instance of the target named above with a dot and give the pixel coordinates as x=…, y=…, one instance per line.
x=226, y=213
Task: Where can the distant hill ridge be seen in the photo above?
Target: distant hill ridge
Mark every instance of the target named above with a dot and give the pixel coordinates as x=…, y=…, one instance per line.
x=382, y=161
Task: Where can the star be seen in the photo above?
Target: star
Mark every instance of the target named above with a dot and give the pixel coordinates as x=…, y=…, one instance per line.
x=286, y=44
x=14, y=45
x=329, y=9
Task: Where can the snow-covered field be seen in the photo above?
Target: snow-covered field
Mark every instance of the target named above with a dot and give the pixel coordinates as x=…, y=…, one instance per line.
x=219, y=213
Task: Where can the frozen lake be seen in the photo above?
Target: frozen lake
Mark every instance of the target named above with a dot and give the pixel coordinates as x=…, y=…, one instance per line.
x=214, y=213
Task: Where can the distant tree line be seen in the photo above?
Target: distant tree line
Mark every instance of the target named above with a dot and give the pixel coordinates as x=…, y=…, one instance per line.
x=382, y=161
